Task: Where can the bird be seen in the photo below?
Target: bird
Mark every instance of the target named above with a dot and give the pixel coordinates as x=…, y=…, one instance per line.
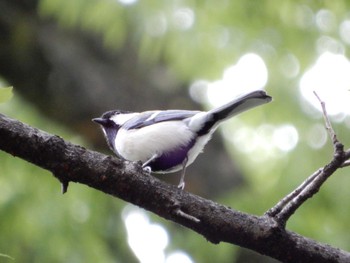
x=167, y=141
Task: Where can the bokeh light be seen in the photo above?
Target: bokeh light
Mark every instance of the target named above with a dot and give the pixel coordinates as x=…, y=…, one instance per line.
x=285, y=137
x=289, y=66
x=157, y=25
x=250, y=73
x=183, y=18
x=317, y=136
x=328, y=44
x=330, y=78
x=344, y=31
x=148, y=240
x=127, y=2
x=178, y=257
x=273, y=141
x=325, y=20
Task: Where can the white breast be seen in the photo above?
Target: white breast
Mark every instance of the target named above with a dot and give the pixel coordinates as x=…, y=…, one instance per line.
x=142, y=144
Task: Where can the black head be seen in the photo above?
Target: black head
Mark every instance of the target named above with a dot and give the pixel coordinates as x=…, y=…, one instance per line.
x=109, y=118
x=110, y=122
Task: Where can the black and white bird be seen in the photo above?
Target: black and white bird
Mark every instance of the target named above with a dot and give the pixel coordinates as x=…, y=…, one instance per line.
x=169, y=141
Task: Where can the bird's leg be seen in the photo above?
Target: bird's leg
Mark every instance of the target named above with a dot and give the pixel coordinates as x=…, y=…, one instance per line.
x=183, y=172
x=145, y=166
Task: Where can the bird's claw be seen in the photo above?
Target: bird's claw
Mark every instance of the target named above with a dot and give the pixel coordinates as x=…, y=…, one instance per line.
x=181, y=185
x=147, y=169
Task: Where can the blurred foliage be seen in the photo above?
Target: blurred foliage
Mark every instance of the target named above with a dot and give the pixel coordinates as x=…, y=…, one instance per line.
x=198, y=40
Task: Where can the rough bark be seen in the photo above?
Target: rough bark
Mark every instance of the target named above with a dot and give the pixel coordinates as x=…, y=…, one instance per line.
x=126, y=180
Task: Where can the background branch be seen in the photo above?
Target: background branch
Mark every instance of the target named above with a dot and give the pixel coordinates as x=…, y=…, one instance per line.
x=125, y=180
x=285, y=208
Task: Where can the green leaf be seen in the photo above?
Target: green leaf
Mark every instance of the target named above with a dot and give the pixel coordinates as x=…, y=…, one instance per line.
x=5, y=94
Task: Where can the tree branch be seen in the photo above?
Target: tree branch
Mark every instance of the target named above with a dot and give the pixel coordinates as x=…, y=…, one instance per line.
x=285, y=208
x=126, y=180
x=283, y=202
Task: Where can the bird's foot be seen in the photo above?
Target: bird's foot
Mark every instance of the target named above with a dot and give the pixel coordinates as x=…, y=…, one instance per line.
x=181, y=185
x=147, y=169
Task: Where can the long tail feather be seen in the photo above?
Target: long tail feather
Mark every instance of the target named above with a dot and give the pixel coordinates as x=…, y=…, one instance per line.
x=240, y=104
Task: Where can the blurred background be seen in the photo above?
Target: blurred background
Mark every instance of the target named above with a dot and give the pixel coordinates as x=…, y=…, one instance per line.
x=70, y=61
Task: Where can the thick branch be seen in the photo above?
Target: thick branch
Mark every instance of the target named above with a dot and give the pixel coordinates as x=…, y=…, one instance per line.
x=125, y=180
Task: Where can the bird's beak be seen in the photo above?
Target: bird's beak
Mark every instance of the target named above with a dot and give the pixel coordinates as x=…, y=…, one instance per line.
x=100, y=121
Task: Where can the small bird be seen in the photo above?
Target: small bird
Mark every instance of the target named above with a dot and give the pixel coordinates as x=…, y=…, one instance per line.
x=170, y=140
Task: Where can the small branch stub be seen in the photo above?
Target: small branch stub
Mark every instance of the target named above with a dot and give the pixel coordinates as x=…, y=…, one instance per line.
x=181, y=213
x=177, y=211
x=64, y=186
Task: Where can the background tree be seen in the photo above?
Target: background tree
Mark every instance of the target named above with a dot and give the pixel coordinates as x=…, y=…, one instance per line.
x=77, y=59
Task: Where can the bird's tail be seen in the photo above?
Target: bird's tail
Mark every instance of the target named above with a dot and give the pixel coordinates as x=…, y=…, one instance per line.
x=240, y=104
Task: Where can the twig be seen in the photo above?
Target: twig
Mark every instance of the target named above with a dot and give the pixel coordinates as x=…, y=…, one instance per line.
x=345, y=164
x=307, y=192
x=327, y=121
x=285, y=208
x=282, y=203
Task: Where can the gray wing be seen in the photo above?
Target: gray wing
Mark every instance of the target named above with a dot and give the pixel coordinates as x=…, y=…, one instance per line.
x=152, y=117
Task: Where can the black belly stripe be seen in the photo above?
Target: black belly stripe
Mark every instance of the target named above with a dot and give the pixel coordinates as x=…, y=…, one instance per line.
x=172, y=158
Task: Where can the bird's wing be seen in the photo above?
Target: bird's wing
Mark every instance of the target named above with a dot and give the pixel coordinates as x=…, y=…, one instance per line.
x=152, y=117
